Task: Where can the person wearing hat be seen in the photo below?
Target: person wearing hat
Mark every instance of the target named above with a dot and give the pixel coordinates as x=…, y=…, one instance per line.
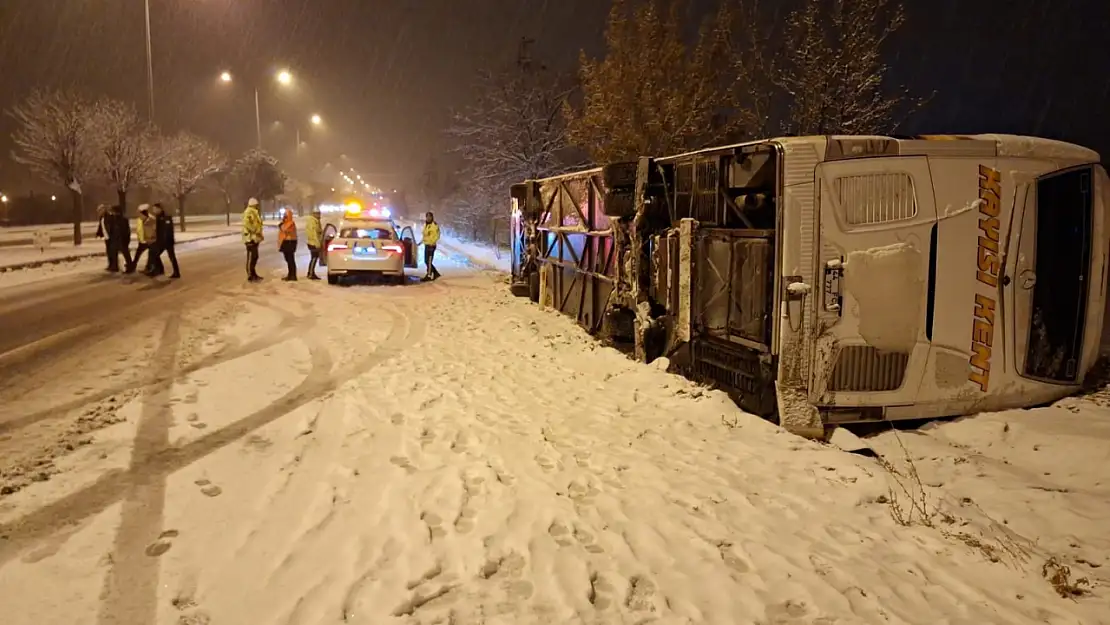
x=145, y=230
x=252, y=237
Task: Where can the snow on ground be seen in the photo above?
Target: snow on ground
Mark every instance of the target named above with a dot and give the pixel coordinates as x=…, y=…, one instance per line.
x=445, y=453
x=1035, y=482
x=25, y=233
x=486, y=255
x=21, y=254
x=65, y=260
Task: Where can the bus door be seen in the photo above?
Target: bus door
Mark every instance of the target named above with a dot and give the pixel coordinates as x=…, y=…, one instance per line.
x=876, y=229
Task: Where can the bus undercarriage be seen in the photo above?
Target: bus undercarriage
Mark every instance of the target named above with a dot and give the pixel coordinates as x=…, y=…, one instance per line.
x=615, y=249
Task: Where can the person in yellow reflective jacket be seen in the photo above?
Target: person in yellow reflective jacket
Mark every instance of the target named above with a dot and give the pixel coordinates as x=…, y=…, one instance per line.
x=252, y=237
x=145, y=230
x=315, y=236
x=431, y=239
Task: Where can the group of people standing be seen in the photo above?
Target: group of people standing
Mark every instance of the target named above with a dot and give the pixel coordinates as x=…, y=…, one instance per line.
x=287, y=241
x=154, y=230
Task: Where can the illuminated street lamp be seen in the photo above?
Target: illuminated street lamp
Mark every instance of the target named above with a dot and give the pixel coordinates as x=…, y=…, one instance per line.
x=283, y=77
x=4, y=199
x=317, y=120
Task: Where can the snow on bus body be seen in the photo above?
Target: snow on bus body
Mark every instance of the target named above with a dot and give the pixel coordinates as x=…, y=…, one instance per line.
x=362, y=241
x=912, y=278
x=928, y=257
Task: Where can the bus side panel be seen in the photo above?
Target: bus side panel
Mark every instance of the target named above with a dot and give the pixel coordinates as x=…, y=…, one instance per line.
x=798, y=280
x=956, y=187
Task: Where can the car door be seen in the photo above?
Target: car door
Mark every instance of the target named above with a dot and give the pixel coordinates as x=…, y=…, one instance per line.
x=408, y=239
x=328, y=234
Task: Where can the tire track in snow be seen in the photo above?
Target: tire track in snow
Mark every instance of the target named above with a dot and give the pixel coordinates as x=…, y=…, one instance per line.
x=113, y=486
x=131, y=586
x=292, y=327
x=167, y=297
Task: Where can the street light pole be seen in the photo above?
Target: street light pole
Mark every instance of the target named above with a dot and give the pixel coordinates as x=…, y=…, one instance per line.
x=257, y=118
x=149, y=62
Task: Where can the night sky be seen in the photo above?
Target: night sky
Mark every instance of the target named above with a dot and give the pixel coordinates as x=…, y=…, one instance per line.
x=385, y=74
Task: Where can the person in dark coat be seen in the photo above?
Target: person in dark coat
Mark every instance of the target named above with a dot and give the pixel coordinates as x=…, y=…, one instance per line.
x=119, y=232
x=164, y=242
x=116, y=232
x=104, y=231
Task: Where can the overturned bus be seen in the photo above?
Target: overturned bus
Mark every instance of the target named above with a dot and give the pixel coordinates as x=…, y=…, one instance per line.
x=831, y=280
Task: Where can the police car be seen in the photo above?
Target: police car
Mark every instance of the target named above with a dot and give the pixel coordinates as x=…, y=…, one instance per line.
x=367, y=243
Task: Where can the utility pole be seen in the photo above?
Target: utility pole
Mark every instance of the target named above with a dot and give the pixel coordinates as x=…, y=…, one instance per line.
x=149, y=63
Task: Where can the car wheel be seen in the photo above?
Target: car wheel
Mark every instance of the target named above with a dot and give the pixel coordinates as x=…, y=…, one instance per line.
x=333, y=279
x=402, y=280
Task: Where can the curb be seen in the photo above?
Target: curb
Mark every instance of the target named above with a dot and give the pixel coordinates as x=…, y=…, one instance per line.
x=83, y=255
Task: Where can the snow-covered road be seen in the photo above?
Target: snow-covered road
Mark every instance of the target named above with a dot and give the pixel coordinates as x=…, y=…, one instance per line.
x=445, y=453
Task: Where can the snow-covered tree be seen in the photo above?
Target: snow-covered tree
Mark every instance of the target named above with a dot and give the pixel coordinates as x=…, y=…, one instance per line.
x=739, y=48
x=651, y=93
x=187, y=161
x=259, y=175
x=125, y=149
x=296, y=194
x=51, y=138
x=223, y=180
x=835, y=72
x=513, y=131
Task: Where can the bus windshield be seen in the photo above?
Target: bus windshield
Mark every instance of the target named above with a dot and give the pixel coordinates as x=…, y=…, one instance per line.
x=1064, y=221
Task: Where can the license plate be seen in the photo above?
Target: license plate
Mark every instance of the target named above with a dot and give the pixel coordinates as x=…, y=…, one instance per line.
x=368, y=251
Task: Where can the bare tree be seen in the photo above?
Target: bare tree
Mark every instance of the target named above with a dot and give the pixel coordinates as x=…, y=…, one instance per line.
x=739, y=48
x=297, y=194
x=52, y=140
x=513, y=131
x=652, y=93
x=223, y=180
x=187, y=161
x=259, y=175
x=835, y=72
x=125, y=147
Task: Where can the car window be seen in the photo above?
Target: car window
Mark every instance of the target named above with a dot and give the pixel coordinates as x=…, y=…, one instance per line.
x=383, y=234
